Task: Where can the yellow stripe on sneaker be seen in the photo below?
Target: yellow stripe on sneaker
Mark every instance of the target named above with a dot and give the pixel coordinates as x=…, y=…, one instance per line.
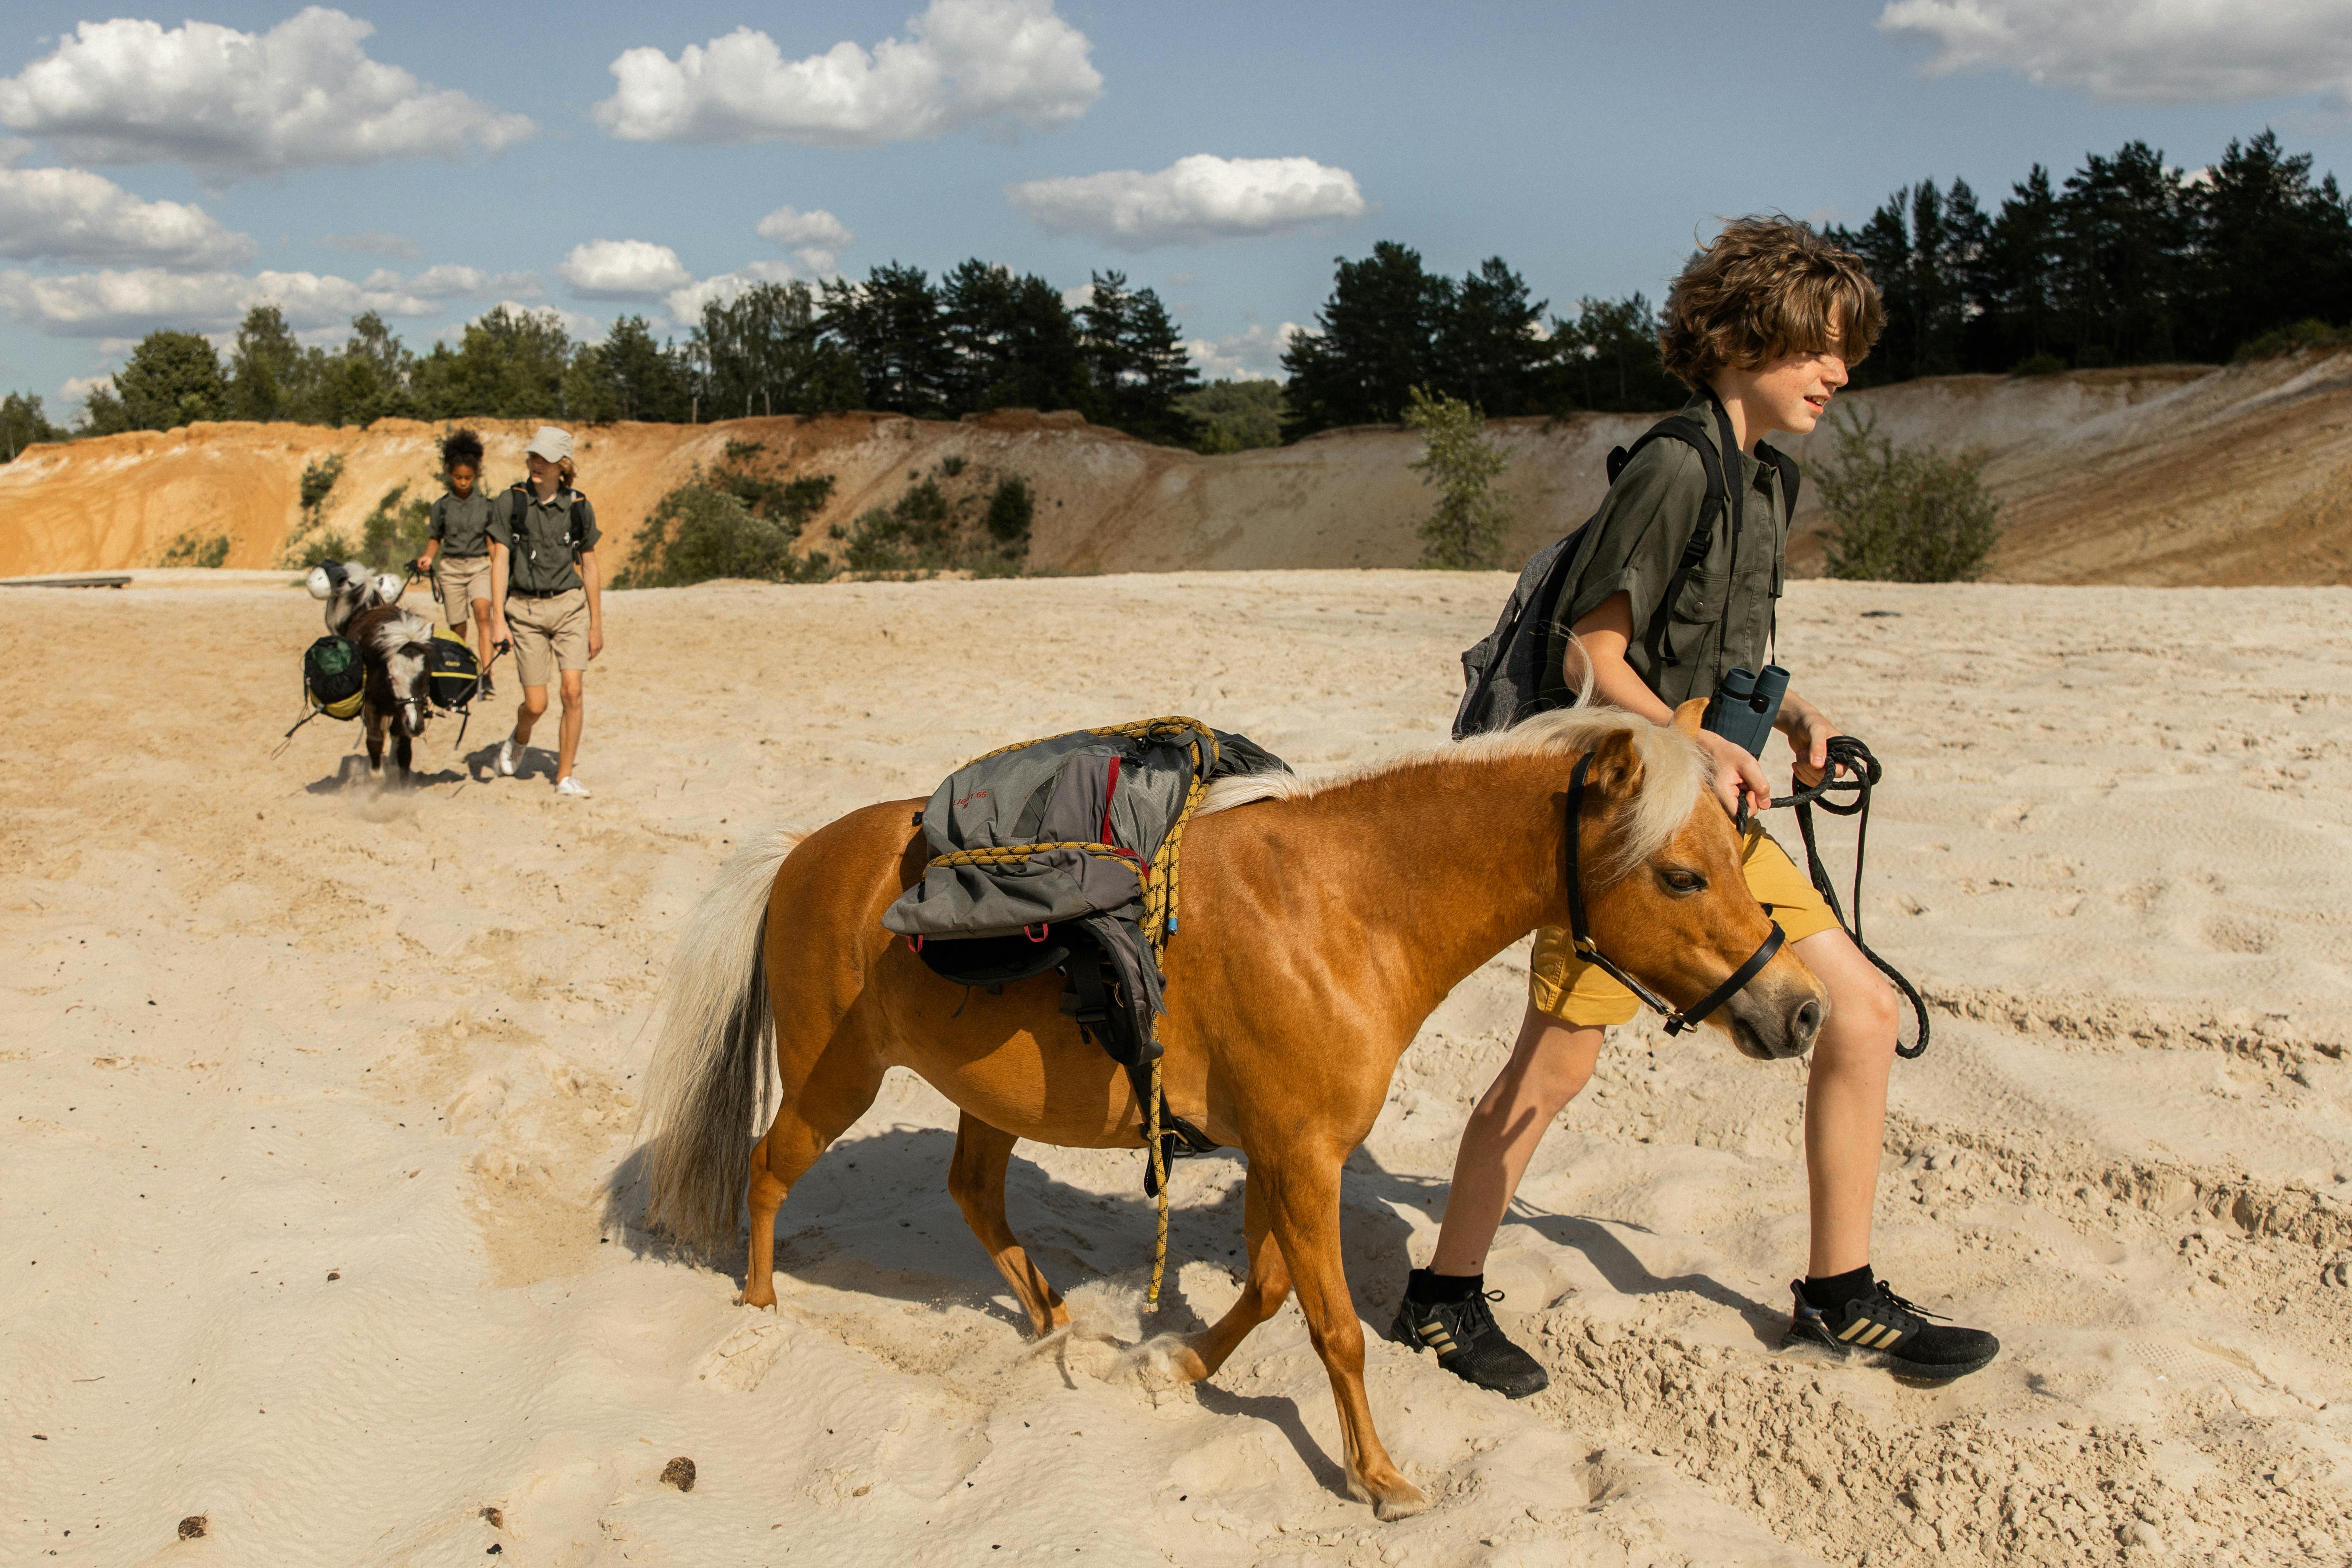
x=1856, y=1327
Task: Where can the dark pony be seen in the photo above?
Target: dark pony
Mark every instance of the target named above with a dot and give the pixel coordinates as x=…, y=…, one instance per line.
x=392, y=645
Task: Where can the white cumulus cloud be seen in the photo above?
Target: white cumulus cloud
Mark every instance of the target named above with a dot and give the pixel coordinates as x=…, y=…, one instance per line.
x=685, y=304
x=450, y=281
x=303, y=93
x=622, y=270
x=2141, y=52
x=962, y=63
x=129, y=302
x=72, y=214
x=1252, y=355
x=814, y=238
x=1193, y=201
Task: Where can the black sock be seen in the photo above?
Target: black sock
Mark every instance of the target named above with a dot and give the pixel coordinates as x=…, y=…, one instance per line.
x=1442, y=1290
x=1829, y=1294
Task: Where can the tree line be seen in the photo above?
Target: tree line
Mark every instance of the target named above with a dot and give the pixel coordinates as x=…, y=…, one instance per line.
x=979, y=338
x=2127, y=261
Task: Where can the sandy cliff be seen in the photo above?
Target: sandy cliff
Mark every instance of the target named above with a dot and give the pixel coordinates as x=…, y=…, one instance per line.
x=2161, y=475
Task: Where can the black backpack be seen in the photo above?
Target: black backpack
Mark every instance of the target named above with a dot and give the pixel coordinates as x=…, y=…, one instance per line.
x=332, y=677
x=1504, y=674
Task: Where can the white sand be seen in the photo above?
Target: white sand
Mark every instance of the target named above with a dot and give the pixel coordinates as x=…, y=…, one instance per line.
x=259, y=1029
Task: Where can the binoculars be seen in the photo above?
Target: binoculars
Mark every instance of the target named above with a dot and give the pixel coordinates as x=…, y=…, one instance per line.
x=1744, y=707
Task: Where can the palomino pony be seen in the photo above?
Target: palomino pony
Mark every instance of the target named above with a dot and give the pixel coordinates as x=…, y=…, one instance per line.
x=1320, y=926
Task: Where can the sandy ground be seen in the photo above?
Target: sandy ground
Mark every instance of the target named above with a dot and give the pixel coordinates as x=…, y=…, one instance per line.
x=313, y=1092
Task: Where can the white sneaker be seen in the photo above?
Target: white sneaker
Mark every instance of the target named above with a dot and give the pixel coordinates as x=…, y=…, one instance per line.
x=509, y=754
x=567, y=784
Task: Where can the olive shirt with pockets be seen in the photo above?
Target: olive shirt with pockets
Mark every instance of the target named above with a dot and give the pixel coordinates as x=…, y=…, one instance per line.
x=1634, y=546
x=462, y=524
x=540, y=541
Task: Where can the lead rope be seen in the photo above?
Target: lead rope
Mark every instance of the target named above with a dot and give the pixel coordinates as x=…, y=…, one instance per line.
x=1850, y=757
x=1159, y=925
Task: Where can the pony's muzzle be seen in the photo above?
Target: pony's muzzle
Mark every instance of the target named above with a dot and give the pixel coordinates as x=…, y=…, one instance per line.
x=1778, y=1015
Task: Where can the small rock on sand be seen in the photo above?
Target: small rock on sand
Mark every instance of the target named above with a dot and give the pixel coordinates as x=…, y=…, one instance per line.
x=680, y=1473
x=192, y=1526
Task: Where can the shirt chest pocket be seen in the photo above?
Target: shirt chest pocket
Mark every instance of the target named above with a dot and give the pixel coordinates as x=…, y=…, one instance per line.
x=1702, y=596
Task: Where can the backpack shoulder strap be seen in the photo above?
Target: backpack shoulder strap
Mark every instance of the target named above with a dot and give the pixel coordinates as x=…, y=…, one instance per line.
x=1679, y=428
x=1790, y=476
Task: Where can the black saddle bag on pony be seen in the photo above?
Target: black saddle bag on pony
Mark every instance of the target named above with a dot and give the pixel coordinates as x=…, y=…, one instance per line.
x=333, y=677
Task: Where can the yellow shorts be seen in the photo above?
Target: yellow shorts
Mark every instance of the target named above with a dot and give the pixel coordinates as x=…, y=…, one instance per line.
x=549, y=634
x=458, y=582
x=1574, y=992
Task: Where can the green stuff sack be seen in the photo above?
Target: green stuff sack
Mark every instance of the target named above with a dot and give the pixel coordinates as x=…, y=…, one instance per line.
x=332, y=677
x=453, y=676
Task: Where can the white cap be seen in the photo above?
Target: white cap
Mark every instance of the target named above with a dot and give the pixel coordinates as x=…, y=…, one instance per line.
x=551, y=443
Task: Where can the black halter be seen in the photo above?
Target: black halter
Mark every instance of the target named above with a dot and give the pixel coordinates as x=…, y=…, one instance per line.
x=1588, y=951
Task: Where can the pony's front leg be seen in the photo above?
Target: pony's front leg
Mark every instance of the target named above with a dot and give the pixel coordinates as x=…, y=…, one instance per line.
x=373, y=721
x=976, y=1180
x=1304, y=1190
x=1262, y=1293
x=402, y=755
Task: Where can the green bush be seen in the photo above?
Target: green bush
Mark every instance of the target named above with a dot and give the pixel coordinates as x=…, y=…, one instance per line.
x=916, y=534
x=1466, y=532
x=2043, y=364
x=310, y=549
x=1011, y=510
x=319, y=480
x=2307, y=334
x=394, y=533
x=1903, y=514
x=188, y=549
x=732, y=522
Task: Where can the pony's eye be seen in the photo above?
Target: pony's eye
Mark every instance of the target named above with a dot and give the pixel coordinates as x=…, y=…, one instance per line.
x=1683, y=881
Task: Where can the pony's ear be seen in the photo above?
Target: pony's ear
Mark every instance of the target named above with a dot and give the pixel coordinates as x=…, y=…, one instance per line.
x=1687, y=716
x=1616, y=765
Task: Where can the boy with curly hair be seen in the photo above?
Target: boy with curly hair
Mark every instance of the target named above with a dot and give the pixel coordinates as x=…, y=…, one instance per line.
x=1762, y=326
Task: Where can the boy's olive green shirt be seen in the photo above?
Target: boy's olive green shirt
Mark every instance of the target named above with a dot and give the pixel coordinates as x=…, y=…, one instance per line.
x=539, y=537
x=462, y=524
x=1635, y=543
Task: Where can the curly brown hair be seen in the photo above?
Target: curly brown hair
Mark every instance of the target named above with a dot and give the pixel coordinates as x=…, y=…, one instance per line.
x=1764, y=289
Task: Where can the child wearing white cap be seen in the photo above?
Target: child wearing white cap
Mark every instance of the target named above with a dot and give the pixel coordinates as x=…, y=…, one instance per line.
x=546, y=597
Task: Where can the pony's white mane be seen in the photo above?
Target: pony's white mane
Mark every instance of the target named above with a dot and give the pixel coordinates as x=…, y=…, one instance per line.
x=1674, y=771
x=394, y=631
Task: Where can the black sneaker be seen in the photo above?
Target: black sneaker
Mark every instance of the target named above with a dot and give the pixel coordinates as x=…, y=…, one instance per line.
x=1893, y=1332
x=1470, y=1344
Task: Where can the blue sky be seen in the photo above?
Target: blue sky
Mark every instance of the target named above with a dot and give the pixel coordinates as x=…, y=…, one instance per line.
x=461, y=156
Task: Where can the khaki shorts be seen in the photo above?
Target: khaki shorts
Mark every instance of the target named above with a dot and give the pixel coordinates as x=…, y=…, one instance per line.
x=458, y=582
x=1574, y=992
x=549, y=634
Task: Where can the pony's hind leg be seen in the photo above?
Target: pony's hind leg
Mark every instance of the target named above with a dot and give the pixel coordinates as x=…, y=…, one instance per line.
x=835, y=1092
x=976, y=1178
x=1304, y=1187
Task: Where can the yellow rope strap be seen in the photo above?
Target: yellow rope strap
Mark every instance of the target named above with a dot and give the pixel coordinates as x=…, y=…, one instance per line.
x=1159, y=918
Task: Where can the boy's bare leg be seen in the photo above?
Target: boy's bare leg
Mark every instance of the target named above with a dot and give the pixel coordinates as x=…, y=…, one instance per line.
x=1551, y=1063
x=527, y=712
x=575, y=718
x=482, y=630
x=1846, y=1102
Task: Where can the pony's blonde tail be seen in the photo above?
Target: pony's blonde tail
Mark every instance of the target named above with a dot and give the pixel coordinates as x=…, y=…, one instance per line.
x=714, y=1058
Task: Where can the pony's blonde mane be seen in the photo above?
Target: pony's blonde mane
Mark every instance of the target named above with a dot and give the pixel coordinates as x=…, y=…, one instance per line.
x=395, y=631
x=1674, y=771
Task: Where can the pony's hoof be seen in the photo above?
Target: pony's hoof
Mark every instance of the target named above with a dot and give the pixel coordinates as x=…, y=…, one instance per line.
x=1399, y=1499
x=1164, y=1362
